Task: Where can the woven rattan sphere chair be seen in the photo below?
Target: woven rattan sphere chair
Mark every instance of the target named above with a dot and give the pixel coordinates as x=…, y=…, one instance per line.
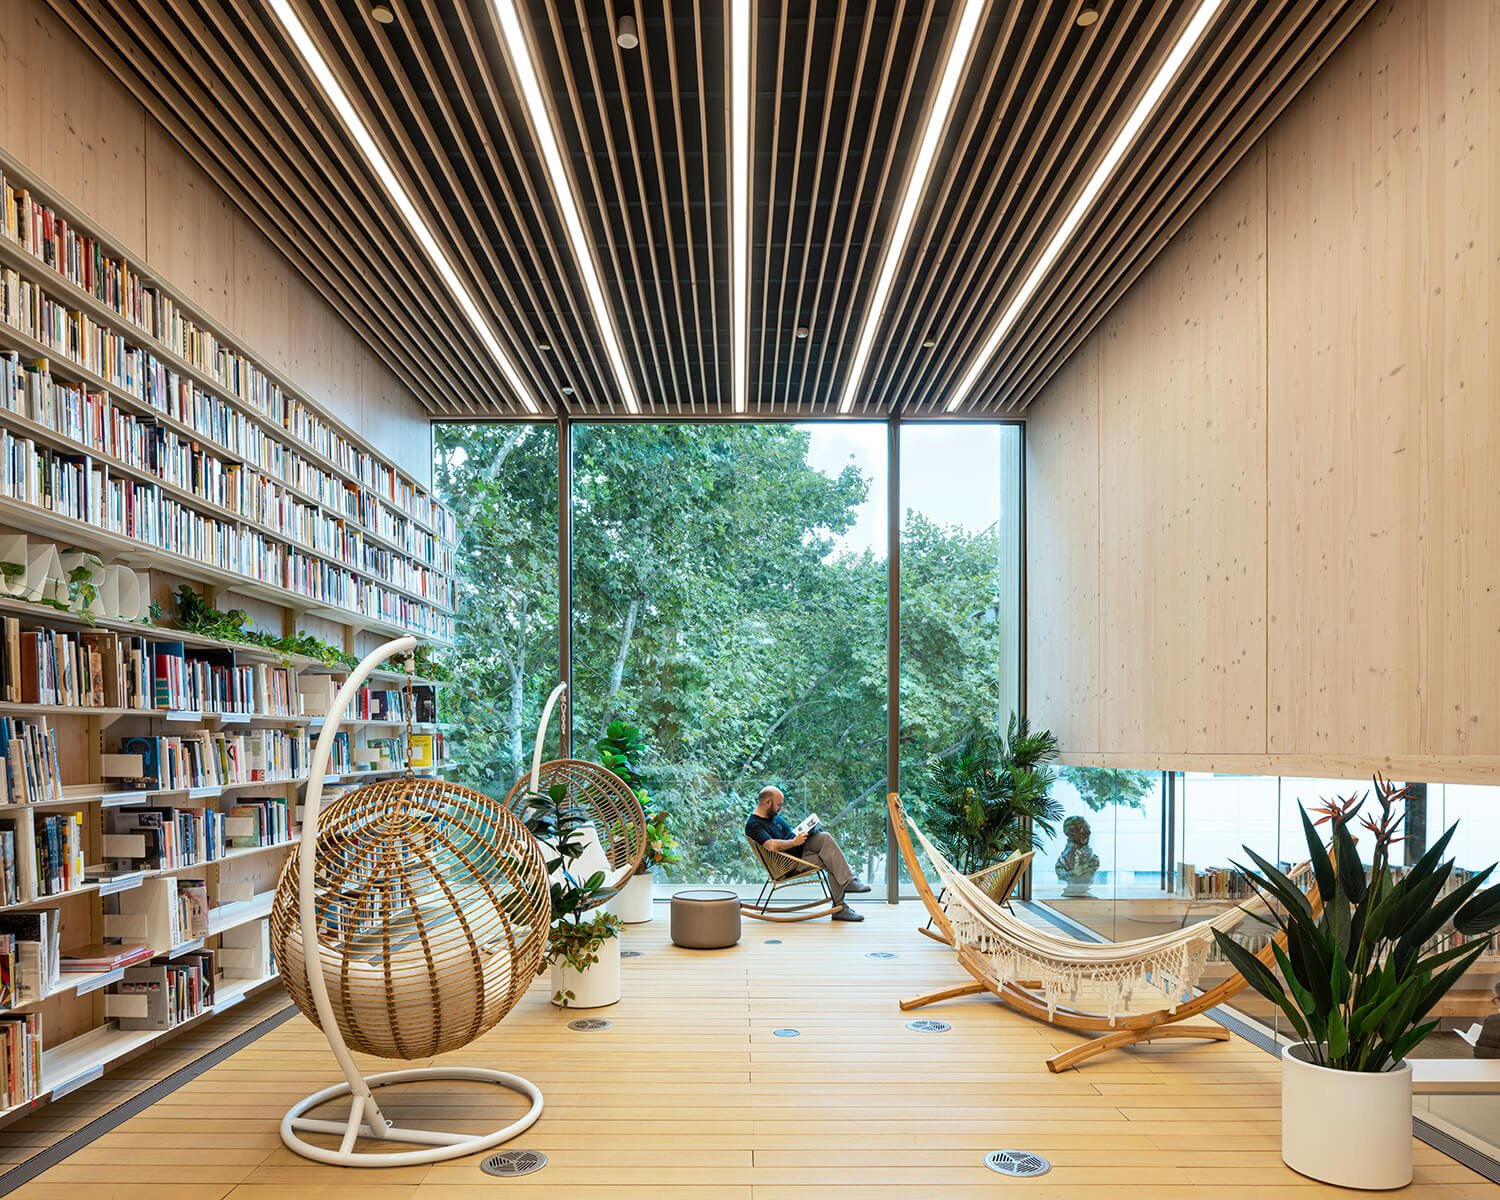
x=599, y=800
x=427, y=904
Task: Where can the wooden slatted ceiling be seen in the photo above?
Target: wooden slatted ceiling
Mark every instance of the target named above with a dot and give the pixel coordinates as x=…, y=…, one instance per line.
x=842, y=91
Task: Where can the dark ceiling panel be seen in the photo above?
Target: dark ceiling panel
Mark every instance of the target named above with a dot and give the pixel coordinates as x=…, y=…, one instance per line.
x=841, y=97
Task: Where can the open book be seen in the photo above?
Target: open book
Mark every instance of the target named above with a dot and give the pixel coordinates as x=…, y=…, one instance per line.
x=807, y=825
x=1470, y=1035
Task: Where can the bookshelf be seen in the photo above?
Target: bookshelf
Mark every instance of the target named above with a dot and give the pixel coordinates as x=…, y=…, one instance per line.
x=153, y=778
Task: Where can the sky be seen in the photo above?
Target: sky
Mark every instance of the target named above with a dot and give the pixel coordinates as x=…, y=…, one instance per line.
x=949, y=472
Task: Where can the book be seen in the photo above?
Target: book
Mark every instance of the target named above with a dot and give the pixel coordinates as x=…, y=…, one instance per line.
x=806, y=825
x=102, y=956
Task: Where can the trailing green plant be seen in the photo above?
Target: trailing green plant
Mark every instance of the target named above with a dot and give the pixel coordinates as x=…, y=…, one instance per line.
x=196, y=615
x=574, y=937
x=991, y=797
x=1357, y=977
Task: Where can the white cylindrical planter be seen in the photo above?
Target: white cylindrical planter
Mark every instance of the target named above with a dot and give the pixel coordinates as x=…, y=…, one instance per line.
x=1350, y=1128
x=596, y=987
x=632, y=903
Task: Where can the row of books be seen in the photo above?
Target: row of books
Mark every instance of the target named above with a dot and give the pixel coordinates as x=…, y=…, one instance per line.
x=213, y=680
x=76, y=487
x=202, y=759
x=259, y=821
x=20, y=1058
x=58, y=865
x=390, y=704
x=28, y=760
x=1213, y=883
x=164, y=993
x=153, y=839
x=91, y=418
x=79, y=258
x=29, y=956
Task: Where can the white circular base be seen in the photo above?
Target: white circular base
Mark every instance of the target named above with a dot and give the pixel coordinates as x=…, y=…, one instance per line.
x=440, y=1145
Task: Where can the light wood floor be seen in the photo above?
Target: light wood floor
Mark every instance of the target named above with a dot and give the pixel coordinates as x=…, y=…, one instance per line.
x=691, y=1097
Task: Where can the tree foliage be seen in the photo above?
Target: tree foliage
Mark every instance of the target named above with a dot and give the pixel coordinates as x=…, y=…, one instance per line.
x=713, y=609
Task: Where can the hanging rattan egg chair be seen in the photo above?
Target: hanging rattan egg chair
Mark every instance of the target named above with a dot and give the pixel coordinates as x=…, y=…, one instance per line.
x=427, y=904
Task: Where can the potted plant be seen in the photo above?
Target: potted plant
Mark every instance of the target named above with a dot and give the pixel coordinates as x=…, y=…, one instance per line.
x=1360, y=969
x=583, y=942
x=620, y=749
x=991, y=795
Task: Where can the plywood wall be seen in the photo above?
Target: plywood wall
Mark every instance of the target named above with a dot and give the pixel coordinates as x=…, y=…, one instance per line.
x=1291, y=542
x=69, y=121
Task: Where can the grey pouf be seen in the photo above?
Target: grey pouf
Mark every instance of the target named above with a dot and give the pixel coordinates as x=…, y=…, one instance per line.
x=704, y=919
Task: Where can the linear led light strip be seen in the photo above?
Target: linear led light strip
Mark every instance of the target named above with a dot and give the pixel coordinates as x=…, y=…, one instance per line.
x=916, y=184
x=517, y=49
x=739, y=192
x=1106, y=168
x=312, y=58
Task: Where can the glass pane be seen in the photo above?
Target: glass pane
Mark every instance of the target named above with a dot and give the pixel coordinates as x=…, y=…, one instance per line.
x=960, y=602
x=500, y=480
x=729, y=598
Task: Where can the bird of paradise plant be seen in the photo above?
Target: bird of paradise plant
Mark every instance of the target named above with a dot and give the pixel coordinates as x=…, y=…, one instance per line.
x=1359, y=974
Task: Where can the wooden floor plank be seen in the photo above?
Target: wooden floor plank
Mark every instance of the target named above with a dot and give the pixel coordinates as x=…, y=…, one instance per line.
x=691, y=1096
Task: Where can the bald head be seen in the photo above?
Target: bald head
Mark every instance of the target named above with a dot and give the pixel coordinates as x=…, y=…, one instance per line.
x=769, y=802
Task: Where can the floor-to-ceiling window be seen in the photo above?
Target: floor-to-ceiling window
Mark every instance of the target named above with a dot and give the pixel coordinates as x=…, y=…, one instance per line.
x=729, y=599
x=729, y=596
x=500, y=481
x=960, y=603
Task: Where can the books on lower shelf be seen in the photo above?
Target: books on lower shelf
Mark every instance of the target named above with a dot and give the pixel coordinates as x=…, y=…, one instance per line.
x=59, y=853
x=162, y=912
x=30, y=944
x=259, y=821
x=1213, y=883
x=203, y=759
x=150, y=838
x=29, y=770
x=164, y=993
x=103, y=956
x=20, y=1058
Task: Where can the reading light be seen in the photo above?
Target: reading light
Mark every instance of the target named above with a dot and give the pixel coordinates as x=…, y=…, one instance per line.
x=523, y=66
x=1138, y=117
x=943, y=98
x=740, y=26
x=626, y=35
x=375, y=159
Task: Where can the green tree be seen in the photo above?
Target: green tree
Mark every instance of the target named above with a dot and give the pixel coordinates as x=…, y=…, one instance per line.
x=1099, y=787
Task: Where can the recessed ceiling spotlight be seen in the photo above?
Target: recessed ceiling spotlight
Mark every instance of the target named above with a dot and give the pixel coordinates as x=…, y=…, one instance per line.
x=626, y=34
x=802, y=332
x=383, y=14
x=928, y=343
x=1087, y=15
x=1152, y=97
x=567, y=391
x=544, y=346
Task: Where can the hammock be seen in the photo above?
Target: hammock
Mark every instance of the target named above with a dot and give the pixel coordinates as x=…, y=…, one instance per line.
x=1172, y=961
x=1039, y=973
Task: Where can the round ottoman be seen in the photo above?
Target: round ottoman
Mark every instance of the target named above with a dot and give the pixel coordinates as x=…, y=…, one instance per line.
x=703, y=919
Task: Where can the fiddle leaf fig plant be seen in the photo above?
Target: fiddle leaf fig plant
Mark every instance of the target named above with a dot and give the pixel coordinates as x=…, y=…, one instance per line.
x=1365, y=959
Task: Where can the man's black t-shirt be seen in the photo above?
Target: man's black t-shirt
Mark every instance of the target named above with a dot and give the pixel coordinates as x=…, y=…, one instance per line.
x=762, y=829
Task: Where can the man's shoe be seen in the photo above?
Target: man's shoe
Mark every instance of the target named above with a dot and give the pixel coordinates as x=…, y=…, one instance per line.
x=847, y=914
x=856, y=887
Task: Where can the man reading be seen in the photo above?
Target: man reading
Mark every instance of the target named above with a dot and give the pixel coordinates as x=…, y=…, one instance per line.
x=766, y=827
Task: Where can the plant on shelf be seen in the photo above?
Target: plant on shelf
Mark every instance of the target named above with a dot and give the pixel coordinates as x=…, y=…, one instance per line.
x=196, y=615
x=1362, y=963
x=991, y=795
x=582, y=930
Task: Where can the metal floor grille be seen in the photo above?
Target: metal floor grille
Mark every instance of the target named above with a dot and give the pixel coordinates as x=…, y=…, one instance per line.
x=590, y=1024
x=510, y=1163
x=1020, y=1163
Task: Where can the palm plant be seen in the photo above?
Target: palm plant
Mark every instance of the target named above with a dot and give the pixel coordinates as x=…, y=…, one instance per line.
x=991, y=796
x=1359, y=972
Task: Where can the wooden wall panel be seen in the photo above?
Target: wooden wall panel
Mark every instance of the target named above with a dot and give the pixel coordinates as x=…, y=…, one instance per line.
x=68, y=119
x=1182, y=485
x=72, y=122
x=1062, y=589
x=1375, y=420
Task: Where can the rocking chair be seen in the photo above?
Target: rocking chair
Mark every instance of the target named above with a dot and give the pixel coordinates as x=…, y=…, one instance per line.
x=784, y=871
